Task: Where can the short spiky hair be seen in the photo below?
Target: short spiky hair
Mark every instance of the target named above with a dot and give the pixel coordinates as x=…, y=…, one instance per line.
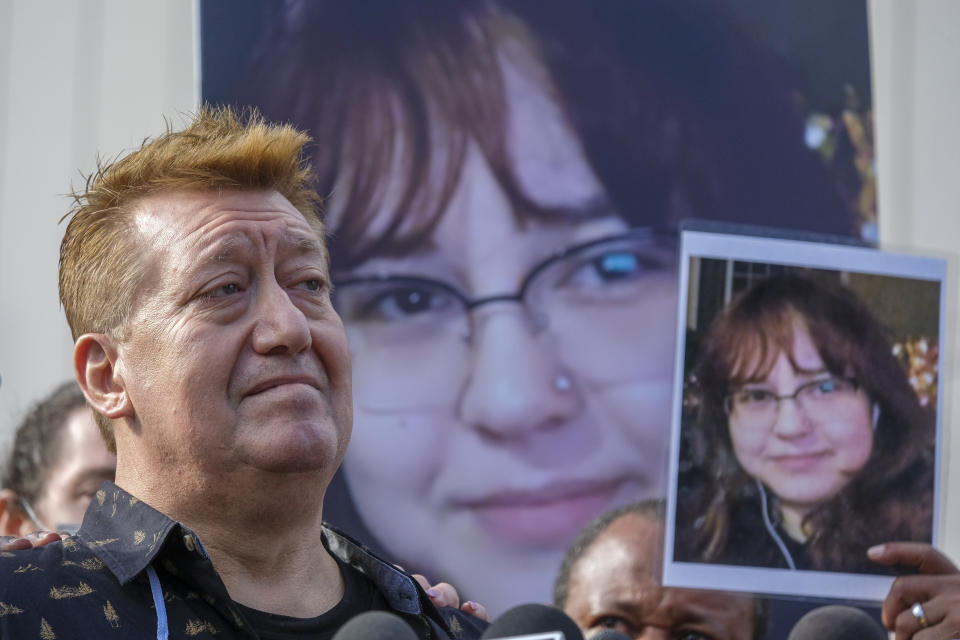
x=220, y=149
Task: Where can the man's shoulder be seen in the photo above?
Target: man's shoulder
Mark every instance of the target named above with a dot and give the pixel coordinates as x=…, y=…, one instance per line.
x=60, y=569
x=49, y=582
x=38, y=562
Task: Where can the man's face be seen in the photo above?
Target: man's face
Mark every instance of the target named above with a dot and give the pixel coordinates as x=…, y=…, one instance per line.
x=616, y=585
x=81, y=465
x=233, y=358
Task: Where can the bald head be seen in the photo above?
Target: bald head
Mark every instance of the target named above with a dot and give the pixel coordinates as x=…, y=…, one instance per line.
x=614, y=583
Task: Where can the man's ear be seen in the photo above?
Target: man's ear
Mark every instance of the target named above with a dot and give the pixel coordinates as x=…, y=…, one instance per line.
x=95, y=362
x=13, y=521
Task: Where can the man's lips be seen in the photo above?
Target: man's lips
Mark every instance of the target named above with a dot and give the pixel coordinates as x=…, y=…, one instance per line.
x=279, y=381
x=548, y=516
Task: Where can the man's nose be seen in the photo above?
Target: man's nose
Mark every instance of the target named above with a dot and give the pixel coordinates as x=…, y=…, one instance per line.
x=281, y=327
x=516, y=385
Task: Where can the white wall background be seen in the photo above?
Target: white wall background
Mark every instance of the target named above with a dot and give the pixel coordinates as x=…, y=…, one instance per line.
x=916, y=92
x=89, y=76
x=76, y=79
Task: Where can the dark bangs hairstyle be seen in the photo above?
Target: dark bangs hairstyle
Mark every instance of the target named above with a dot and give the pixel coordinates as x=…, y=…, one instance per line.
x=678, y=113
x=891, y=498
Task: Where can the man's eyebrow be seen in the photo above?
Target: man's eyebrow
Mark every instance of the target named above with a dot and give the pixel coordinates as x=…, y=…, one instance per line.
x=222, y=249
x=225, y=249
x=634, y=607
x=304, y=244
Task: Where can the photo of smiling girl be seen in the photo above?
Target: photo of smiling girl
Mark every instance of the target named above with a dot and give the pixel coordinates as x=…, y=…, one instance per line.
x=808, y=427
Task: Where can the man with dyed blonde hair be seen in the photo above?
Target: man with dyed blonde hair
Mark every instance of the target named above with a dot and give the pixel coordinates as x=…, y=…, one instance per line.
x=100, y=266
x=194, y=276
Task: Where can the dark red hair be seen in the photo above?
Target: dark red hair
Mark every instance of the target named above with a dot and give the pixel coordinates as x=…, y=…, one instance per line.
x=891, y=497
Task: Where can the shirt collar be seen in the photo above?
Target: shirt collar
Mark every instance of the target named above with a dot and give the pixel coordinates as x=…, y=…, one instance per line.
x=123, y=531
x=127, y=534
x=399, y=589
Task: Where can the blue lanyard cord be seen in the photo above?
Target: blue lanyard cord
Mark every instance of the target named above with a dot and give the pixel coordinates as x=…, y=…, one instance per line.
x=162, y=631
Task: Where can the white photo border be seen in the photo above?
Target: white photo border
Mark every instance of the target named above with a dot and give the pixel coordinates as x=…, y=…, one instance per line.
x=799, y=253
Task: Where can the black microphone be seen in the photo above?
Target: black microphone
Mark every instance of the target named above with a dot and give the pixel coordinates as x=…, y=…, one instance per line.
x=837, y=622
x=536, y=621
x=375, y=625
x=610, y=634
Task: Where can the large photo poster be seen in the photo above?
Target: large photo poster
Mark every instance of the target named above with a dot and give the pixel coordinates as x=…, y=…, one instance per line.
x=504, y=185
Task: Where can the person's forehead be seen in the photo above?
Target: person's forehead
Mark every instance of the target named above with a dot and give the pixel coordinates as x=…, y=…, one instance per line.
x=761, y=353
x=81, y=445
x=625, y=557
x=199, y=217
x=545, y=151
x=622, y=569
x=636, y=538
x=805, y=352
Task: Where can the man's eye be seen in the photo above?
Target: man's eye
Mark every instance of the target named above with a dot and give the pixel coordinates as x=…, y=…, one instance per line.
x=613, y=622
x=312, y=284
x=691, y=635
x=223, y=290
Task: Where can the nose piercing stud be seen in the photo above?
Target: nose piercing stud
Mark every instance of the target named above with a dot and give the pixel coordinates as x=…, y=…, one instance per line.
x=562, y=383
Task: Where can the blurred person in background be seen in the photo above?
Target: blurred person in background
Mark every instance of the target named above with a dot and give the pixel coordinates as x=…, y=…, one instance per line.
x=610, y=579
x=57, y=462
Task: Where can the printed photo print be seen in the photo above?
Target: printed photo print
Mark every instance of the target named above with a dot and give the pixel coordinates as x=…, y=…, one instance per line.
x=806, y=414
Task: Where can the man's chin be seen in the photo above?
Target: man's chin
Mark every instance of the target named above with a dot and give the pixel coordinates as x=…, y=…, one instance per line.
x=298, y=448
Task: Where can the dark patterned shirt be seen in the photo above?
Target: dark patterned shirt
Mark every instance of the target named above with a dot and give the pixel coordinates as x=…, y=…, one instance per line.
x=132, y=572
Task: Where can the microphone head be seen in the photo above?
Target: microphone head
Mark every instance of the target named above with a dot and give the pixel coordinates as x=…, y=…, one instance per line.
x=609, y=634
x=375, y=625
x=837, y=622
x=530, y=619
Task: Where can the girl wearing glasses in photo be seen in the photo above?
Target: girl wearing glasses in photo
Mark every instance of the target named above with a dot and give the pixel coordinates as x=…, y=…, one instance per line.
x=506, y=181
x=815, y=446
